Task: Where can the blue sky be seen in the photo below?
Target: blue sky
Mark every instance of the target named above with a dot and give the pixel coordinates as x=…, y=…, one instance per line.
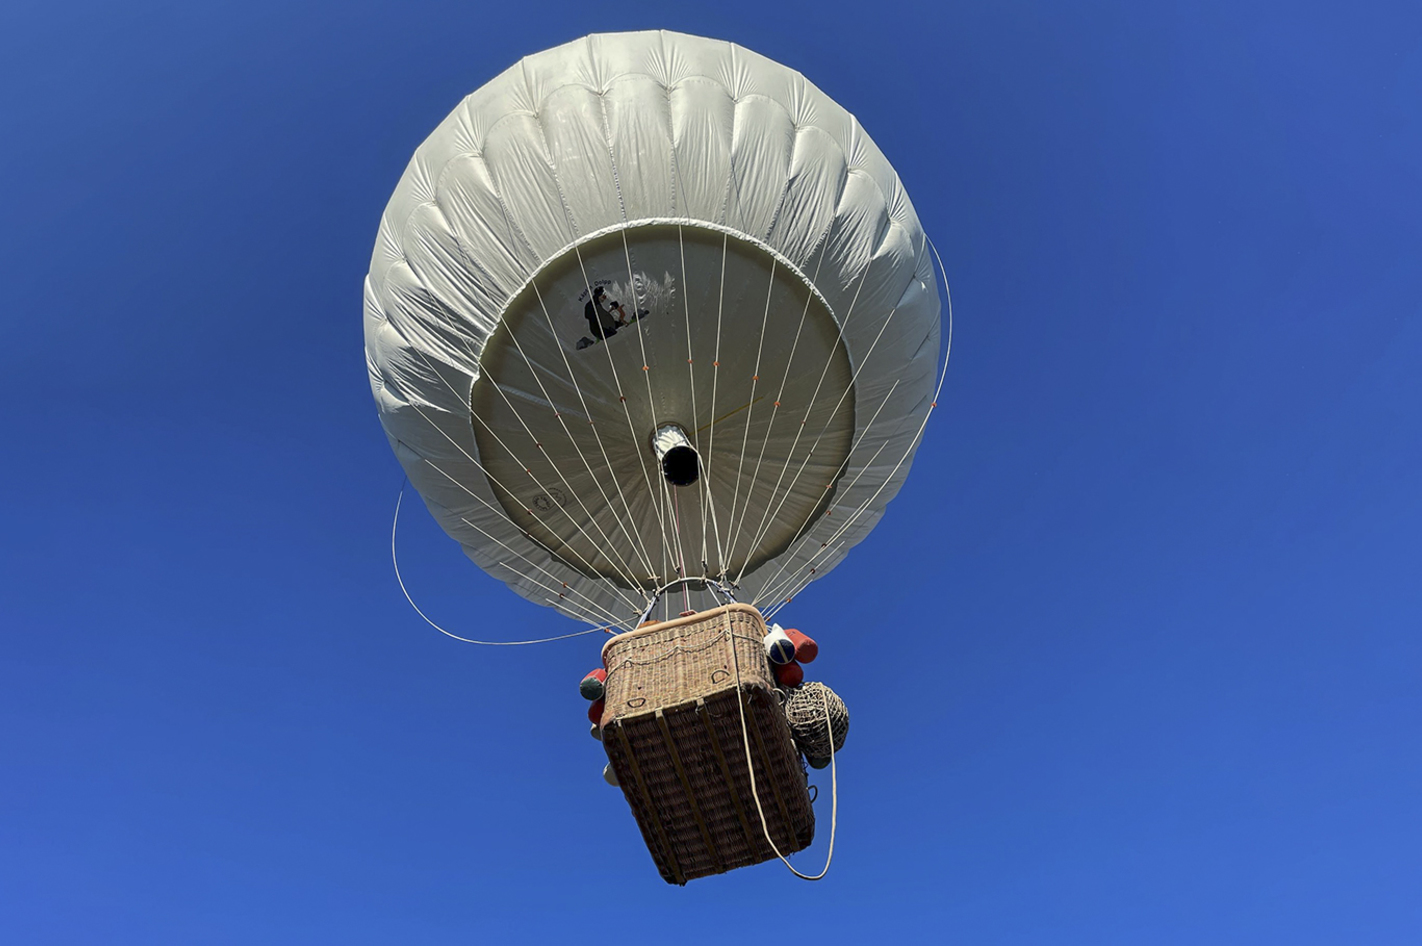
x=1133, y=658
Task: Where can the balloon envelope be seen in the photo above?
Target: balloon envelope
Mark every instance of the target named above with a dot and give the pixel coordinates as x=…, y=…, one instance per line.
x=641, y=232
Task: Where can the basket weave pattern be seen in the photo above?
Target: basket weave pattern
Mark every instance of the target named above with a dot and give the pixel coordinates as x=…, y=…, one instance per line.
x=672, y=731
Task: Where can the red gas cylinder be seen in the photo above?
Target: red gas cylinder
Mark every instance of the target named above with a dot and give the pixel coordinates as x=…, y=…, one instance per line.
x=806, y=649
x=592, y=686
x=789, y=675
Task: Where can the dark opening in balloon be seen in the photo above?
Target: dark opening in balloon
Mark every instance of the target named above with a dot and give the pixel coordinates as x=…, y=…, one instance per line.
x=681, y=466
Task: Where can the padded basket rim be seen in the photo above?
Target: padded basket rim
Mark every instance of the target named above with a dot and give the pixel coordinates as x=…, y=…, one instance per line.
x=696, y=618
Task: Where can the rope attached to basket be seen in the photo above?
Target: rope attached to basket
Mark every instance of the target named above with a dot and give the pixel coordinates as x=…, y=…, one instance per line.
x=395, y=560
x=755, y=794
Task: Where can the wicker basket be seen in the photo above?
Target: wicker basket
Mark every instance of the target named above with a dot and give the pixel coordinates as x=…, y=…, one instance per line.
x=672, y=730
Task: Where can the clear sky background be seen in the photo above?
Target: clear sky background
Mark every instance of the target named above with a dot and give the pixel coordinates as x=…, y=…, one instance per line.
x=1133, y=658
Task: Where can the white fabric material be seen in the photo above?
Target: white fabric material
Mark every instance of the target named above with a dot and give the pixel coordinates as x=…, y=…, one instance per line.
x=667, y=438
x=605, y=132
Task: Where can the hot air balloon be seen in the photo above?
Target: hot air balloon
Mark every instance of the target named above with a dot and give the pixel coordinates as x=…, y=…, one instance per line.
x=654, y=330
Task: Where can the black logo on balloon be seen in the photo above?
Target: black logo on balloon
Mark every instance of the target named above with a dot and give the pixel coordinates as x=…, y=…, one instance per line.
x=544, y=502
x=604, y=314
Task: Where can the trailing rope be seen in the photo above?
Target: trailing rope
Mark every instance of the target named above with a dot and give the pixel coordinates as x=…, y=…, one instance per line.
x=755, y=794
x=395, y=560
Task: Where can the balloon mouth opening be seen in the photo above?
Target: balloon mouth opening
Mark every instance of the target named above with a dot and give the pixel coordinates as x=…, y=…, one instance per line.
x=681, y=466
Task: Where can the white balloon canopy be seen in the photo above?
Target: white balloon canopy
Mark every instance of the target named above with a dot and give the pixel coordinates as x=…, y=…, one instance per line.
x=648, y=307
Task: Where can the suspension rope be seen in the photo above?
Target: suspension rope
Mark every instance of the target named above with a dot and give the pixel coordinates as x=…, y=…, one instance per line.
x=681, y=566
x=631, y=431
x=493, y=480
x=679, y=550
x=863, y=468
x=510, y=549
x=913, y=444
x=766, y=517
x=863, y=507
x=625, y=574
x=770, y=517
x=702, y=488
x=750, y=413
x=624, y=570
x=587, y=412
x=721, y=562
x=558, y=415
x=646, y=365
x=573, y=231
x=780, y=395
